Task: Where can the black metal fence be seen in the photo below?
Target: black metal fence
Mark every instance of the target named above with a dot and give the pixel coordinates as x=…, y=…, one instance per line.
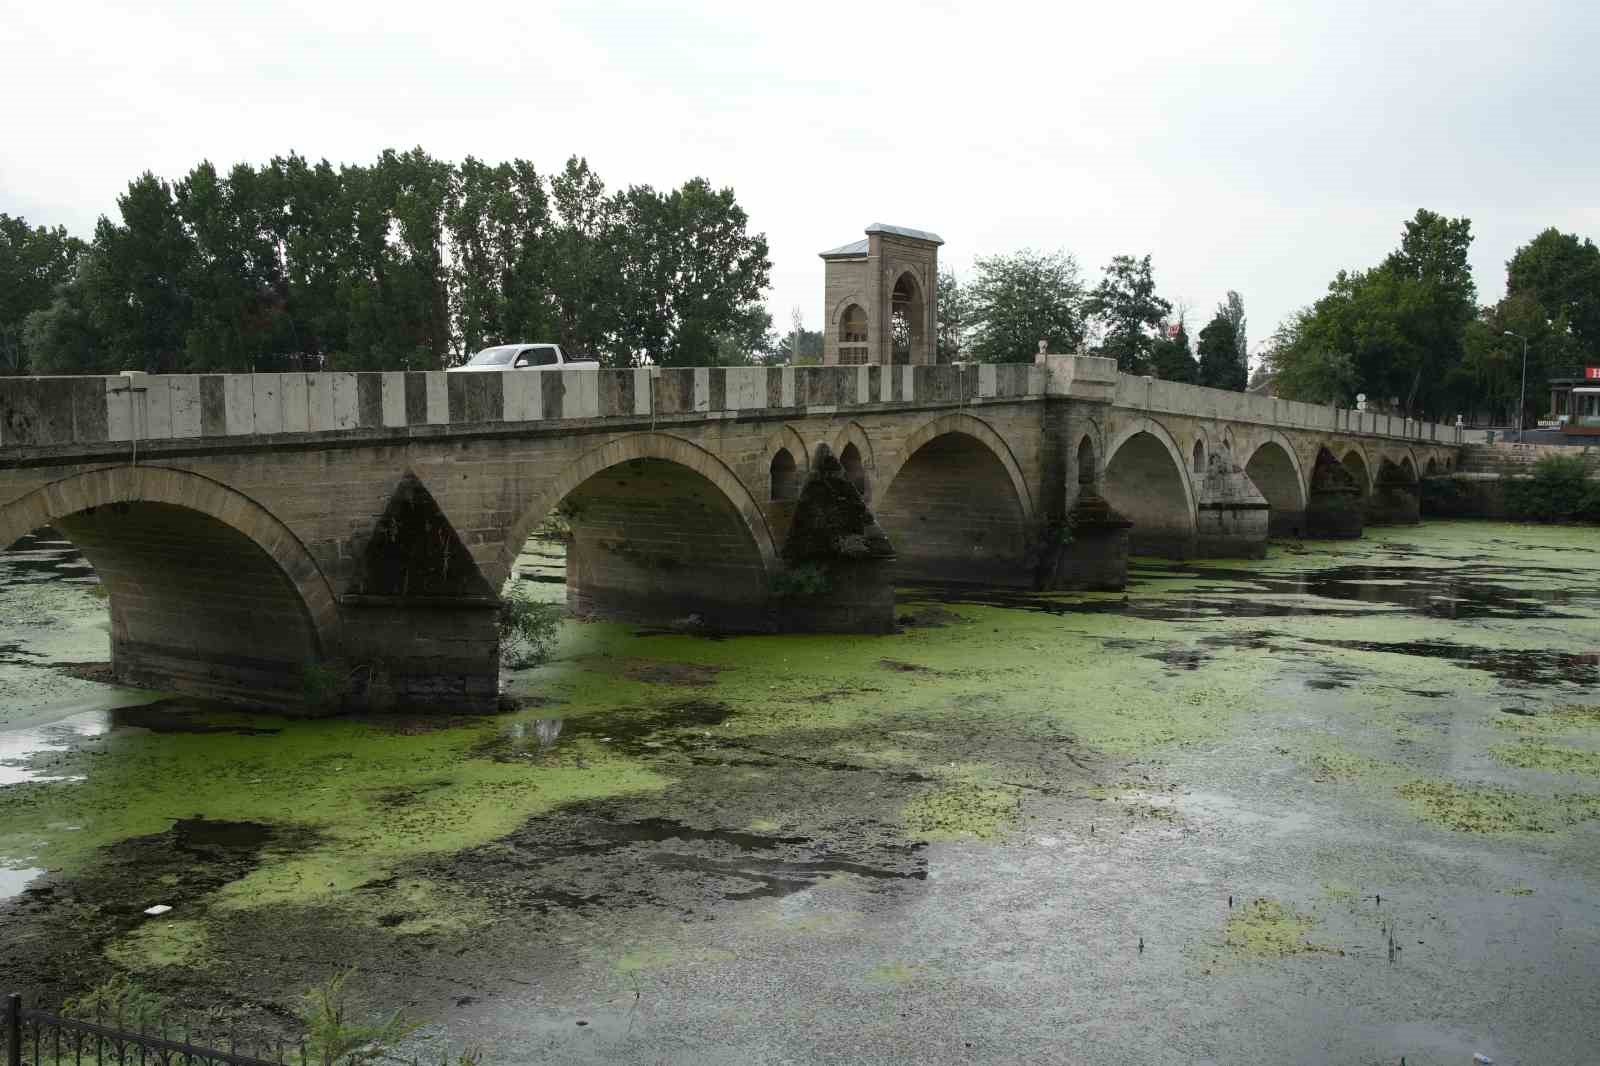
x=39, y=1037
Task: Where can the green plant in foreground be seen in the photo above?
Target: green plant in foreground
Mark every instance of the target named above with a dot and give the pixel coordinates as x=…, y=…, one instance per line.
x=527, y=629
x=1559, y=490
x=802, y=582
x=120, y=1002
x=320, y=684
x=335, y=1038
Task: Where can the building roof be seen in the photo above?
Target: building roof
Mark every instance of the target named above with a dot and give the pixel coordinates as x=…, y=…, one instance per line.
x=853, y=250
x=857, y=249
x=903, y=231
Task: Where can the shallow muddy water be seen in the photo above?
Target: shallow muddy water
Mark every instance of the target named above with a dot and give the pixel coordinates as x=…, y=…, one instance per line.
x=1339, y=805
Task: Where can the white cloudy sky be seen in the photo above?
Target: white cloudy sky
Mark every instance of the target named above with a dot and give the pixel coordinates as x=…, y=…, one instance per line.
x=1250, y=145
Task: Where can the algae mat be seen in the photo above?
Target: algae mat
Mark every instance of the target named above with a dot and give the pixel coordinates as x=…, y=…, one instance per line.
x=1326, y=806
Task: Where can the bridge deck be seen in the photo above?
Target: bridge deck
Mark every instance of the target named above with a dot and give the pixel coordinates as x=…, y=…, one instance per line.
x=54, y=415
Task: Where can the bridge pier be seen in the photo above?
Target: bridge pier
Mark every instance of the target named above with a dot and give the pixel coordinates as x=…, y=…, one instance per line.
x=1096, y=557
x=420, y=621
x=1232, y=517
x=1396, y=499
x=837, y=559
x=421, y=653
x=1333, y=506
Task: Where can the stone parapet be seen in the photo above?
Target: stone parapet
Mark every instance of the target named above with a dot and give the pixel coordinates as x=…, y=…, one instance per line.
x=62, y=412
x=1091, y=378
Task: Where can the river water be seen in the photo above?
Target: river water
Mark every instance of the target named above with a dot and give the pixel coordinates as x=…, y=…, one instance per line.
x=1339, y=805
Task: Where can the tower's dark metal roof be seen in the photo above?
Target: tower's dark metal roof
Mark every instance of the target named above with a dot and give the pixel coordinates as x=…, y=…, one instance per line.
x=853, y=250
x=857, y=249
x=904, y=231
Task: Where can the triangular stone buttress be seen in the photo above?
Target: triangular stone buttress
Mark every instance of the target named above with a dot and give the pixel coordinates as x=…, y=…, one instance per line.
x=415, y=551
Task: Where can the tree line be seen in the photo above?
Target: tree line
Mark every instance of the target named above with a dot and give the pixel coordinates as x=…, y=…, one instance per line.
x=1014, y=301
x=410, y=262
x=1410, y=335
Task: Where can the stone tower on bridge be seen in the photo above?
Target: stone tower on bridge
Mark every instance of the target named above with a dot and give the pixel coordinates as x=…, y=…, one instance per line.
x=880, y=296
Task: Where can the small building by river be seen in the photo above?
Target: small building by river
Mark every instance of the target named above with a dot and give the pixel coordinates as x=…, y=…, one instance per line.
x=1575, y=400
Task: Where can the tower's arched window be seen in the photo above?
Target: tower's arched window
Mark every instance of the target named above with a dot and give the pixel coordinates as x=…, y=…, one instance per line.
x=853, y=335
x=1199, y=457
x=1086, y=470
x=906, y=325
x=854, y=469
x=785, y=476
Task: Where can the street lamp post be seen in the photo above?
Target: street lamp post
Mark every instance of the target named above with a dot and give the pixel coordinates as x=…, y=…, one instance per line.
x=1522, y=398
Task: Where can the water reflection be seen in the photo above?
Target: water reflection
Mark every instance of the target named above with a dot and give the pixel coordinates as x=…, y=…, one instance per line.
x=539, y=734
x=1472, y=591
x=12, y=882
x=27, y=754
x=44, y=555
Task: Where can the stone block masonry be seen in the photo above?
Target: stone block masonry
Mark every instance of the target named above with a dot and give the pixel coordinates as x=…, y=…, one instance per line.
x=249, y=505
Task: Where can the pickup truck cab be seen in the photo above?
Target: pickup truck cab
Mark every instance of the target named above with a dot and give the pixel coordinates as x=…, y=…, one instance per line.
x=524, y=357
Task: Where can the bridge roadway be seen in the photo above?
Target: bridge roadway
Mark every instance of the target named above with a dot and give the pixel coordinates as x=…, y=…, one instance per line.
x=248, y=527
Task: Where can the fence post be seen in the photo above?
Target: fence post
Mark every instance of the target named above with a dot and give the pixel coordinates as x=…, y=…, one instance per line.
x=14, y=1030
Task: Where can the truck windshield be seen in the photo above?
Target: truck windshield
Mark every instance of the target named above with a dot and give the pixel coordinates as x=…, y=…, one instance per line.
x=500, y=356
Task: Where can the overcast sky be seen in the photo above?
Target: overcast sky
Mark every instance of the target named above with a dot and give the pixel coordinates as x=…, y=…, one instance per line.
x=1251, y=146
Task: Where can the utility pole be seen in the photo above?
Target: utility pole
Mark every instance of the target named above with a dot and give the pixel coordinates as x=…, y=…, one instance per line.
x=1522, y=397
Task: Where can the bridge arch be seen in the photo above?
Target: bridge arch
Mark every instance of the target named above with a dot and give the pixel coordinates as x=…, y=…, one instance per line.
x=208, y=591
x=661, y=529
x=1275, y=470
x=1087, y=465
x=1396, y=497
x=969, y=426
x=1086, y=457
x=1356, y=462
x=1147, y=481
x=854, y=448
x=956, y=506
x=787, y=439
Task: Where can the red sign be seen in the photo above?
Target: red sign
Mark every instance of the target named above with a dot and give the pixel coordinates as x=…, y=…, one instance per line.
x=1592, y=373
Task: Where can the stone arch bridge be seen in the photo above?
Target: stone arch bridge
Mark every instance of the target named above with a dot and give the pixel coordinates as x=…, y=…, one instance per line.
x=248, y=526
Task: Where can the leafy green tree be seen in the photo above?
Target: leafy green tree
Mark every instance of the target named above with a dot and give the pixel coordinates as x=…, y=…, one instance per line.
x=406, y=263
x=1171, y=358
x=237, y=313
x=34, y=263
x=1017, y=300
x=688, y=268
x=1220, y=367
x=953, y=316
x=138, y=295
x=747, y=339
x=415, y=188
x=313, y=225
x=1307, y=371
x=1434, y=300
x=583, y=271
x=1232, y=309
x=810, y=347
x=63, y=337
x=1126, y=304
x=1488, y=381
x=498, y=220
x=1401, y=324
x=1562, y=273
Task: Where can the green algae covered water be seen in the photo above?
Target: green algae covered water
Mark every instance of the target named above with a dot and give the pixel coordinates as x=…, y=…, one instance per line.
x=1338, y=805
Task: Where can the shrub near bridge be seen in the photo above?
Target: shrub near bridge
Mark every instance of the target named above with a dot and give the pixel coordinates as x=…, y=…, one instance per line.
x=1560, y=489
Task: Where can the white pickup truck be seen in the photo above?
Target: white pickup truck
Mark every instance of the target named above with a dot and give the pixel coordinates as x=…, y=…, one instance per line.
x=524, y=357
